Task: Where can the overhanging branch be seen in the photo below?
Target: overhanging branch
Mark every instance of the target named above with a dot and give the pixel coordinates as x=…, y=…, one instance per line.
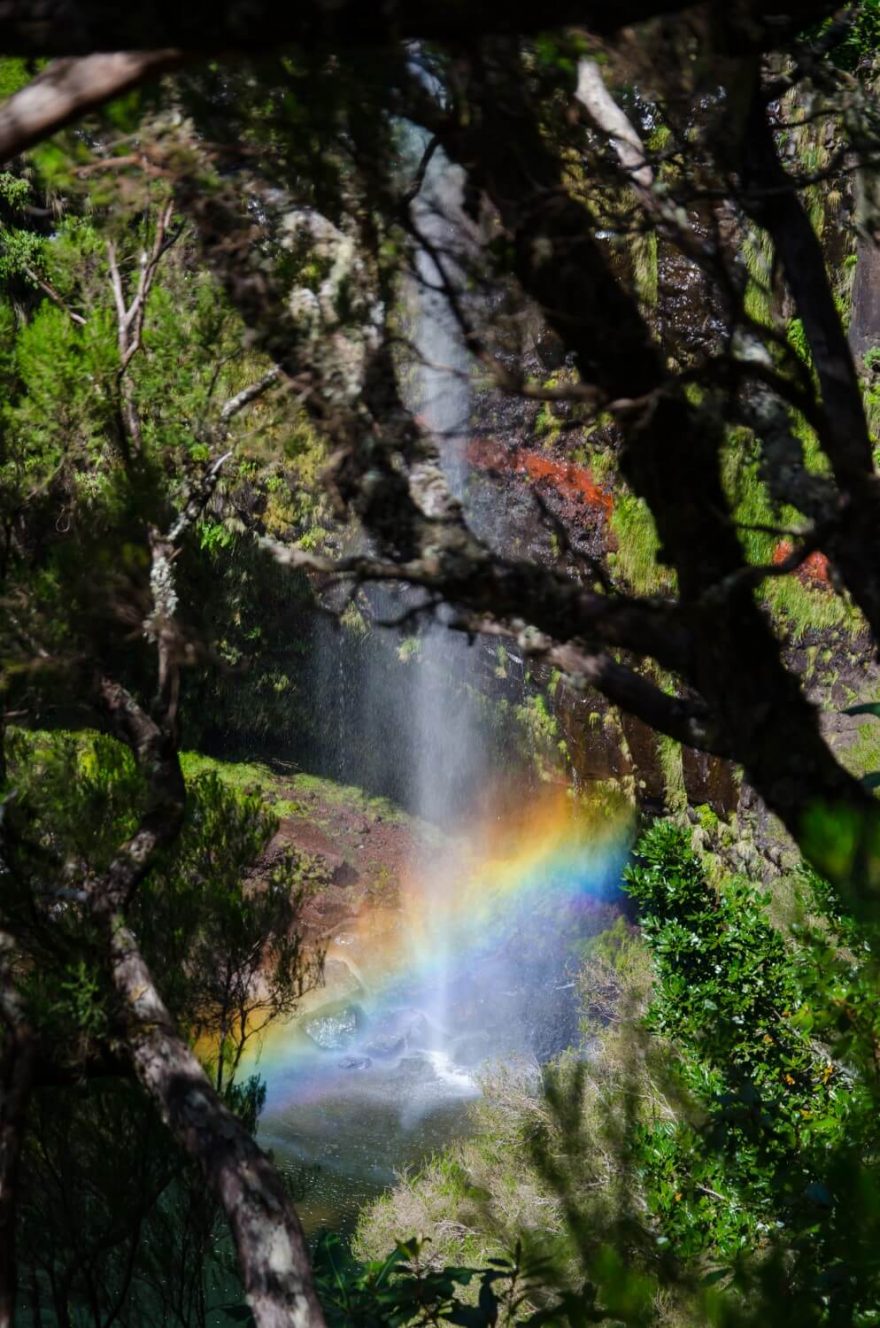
x=68, y=89
x=70, y=27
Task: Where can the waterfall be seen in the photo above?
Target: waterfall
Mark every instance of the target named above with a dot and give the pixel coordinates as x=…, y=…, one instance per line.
x=448, y=749
x=471, y=965
x=416, y=732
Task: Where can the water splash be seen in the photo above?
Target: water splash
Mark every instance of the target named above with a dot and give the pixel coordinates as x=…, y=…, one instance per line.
x=521, y=893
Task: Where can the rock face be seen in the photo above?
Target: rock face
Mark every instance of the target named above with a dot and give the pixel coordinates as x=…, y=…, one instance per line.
x=353, y=852
x=864, y=328
x=398, y=1031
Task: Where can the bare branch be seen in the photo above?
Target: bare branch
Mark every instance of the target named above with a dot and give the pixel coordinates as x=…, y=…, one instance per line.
x=248, y=394
x=118, y=296
x=48, y=289
x=130, y=316
x=69, y=88
x=198, y=499
x=133, y=321
x=593, y=95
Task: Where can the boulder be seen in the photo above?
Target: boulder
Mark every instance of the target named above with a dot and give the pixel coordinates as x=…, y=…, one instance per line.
x=334, y=1031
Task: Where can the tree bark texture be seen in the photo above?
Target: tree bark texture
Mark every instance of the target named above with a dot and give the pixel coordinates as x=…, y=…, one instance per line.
x=269, y=1240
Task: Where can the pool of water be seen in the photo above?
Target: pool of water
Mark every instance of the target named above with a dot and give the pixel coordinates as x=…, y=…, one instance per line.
x=345, y=1146
x=360, y=1091
x=379, y=1068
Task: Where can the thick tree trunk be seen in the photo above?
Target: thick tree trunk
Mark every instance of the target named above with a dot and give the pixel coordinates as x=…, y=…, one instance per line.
x=671, y=455
x=269, y=1240
x=772, y=200
x=68, y=89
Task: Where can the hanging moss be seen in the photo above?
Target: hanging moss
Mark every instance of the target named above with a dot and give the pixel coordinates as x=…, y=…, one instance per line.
x=635, y=561
x=646, y=268
x=672, y=769
x=757, y=252
x=797, y=607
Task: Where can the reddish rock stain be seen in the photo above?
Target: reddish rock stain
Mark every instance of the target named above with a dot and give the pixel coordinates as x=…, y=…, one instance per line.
x=812, y=571
x=572, y=482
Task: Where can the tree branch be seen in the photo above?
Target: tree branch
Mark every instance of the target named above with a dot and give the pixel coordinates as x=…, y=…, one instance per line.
x=519, y=591
x=771, y=199
x=130, y=316
x=386, y=468
x=156, y=755
x=69, y=88
x=688, y=721
x=671, y=449
x=268, y=1238
x=248, y=394
x=66, y=27
x=48, y=289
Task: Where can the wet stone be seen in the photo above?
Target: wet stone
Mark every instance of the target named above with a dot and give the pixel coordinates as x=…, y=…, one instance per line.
x=355, y=1063
x=387, y=1044
x=333, y=1032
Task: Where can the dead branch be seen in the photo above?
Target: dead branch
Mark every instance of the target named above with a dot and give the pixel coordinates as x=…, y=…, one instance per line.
x=130, y=315
x=593, y=95
x=248, y=394
x=48, y=289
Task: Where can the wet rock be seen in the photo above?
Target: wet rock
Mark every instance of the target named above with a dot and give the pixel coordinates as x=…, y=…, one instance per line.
x=472, y=1049
x=355, y=1063
x=340, y=982
x=343, y=873
x=333, y=1032
x=386, y=1045
x=398, y=1031
x=411, y=1025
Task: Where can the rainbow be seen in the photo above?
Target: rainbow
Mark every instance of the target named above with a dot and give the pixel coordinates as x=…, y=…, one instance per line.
x=521, y=889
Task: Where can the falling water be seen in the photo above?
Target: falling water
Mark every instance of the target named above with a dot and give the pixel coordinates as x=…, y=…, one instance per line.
x=448, y=743
x=471, y=968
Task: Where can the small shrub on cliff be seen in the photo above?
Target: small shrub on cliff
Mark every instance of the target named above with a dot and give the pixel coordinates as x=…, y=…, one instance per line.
x=712, y=1157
